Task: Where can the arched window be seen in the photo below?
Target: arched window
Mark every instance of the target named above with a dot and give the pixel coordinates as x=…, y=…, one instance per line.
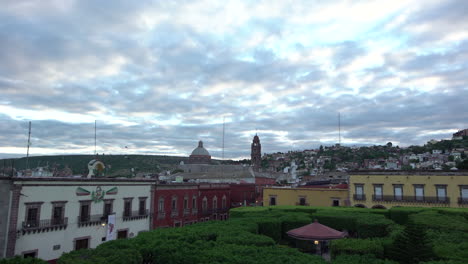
x=215, y=203
x=223, y=202
x=174, y=203
x=205, y=204
x=161, y=204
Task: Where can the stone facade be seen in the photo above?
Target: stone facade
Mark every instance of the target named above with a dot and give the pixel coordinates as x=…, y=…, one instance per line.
x=256, y=153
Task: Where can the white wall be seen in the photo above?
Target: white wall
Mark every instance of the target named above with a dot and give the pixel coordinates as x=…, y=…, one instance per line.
x=45, y=241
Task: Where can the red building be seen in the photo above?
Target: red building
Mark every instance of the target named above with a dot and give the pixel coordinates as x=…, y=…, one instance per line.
x=214, y=201
x=185, y=204
x=243, y=194
x=175, y=205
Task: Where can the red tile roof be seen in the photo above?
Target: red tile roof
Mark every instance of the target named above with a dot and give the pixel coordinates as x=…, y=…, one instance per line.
x=316, y=231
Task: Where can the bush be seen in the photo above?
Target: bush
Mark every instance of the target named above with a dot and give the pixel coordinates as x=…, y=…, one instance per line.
x=269, y=227
x=21, y=260
x=400, y=214
x=360, y=259
x=435, y=220
x=449, y=244
x=412, y=245
x=362, y=224
x=354, y=246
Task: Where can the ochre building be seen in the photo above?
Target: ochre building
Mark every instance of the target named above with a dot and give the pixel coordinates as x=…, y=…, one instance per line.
x=417, y=189
x=319, y=196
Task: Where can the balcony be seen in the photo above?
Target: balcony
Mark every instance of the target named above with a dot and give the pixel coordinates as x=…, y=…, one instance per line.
x=462, y=200
x=44, y=225
x=359, y=197
x=161, y=215
x=174, y=213
x=186, y=211
x=411, y=199
x=91, y=220
x=135, y=215
x=194, y=211
x=206, y=212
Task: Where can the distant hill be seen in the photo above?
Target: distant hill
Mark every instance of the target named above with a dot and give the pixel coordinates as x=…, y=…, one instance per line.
x=120, y=165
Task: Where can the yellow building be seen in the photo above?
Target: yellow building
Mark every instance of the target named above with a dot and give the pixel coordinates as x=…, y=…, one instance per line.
x=305, y=196
x=419, y=189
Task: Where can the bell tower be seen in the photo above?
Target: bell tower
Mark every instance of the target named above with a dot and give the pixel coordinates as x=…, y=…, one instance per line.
x=256, y=153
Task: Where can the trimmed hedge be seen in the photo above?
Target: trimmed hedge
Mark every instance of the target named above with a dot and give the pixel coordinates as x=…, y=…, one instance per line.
x=435, y=220
x=20, y=260
x=360, y=259
x=353, y=246
x=400, y=214
x=449, y=244
x=364, y=225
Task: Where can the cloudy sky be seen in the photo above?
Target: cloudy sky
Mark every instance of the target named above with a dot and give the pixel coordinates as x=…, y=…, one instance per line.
x=160, y=76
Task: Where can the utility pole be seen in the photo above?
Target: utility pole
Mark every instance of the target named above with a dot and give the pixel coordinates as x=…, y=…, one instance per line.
x=95, y=124
x=223, y=138
x=29, y=143
x=339, y=129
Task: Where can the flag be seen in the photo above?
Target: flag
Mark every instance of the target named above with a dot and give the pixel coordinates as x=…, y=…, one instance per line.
x=110, y=227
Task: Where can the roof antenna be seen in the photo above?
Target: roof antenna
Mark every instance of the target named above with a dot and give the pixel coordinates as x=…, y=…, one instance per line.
x=29, y=144
x=339, y=129
x=95, y=124
x=223, y=137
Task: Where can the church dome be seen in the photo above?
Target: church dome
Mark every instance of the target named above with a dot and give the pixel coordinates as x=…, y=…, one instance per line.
x=200, y=150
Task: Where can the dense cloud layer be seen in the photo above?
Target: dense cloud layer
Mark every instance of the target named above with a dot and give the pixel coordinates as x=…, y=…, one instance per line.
x=159, y=76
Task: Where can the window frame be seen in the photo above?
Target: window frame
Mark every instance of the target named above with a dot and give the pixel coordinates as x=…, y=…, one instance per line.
x=58, y=204
x=127, y=212
x=88, y=212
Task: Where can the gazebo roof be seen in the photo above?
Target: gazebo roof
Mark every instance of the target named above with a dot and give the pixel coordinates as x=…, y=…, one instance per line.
x=316, y=231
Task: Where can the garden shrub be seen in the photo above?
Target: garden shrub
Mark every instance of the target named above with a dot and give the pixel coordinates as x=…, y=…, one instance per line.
x=449, y=244
x=435, y=220
x=412, y=245
x=21, y=260
x=245, y=238
x=400, y=214
x=353, y=246
x=361, y=259
x=363, y=224
x=269, y=227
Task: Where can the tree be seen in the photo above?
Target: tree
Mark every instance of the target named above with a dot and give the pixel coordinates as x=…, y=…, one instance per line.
x=412, y=245
x=389, y=144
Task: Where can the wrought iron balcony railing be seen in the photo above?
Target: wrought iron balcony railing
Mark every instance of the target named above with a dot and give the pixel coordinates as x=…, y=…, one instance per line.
x=411, y=199
x=135, y=215
x=44, y=225
x=462, y=200
x=89, y=220
x=359, y=197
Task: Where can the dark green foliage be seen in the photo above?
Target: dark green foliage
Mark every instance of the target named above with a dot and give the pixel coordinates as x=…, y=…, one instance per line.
x=400, y=214
x=442, y=221
x=357, y=246
x=257, y=235
x=270, y=227
x=449, y=244
x=20, y=260
x=361, y=259
x=444, y=262
x=362, y=224
x=412, y=245
x=105, y=254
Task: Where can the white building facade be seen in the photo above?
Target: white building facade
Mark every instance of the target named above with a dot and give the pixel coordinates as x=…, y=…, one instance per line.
x=50, y=216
